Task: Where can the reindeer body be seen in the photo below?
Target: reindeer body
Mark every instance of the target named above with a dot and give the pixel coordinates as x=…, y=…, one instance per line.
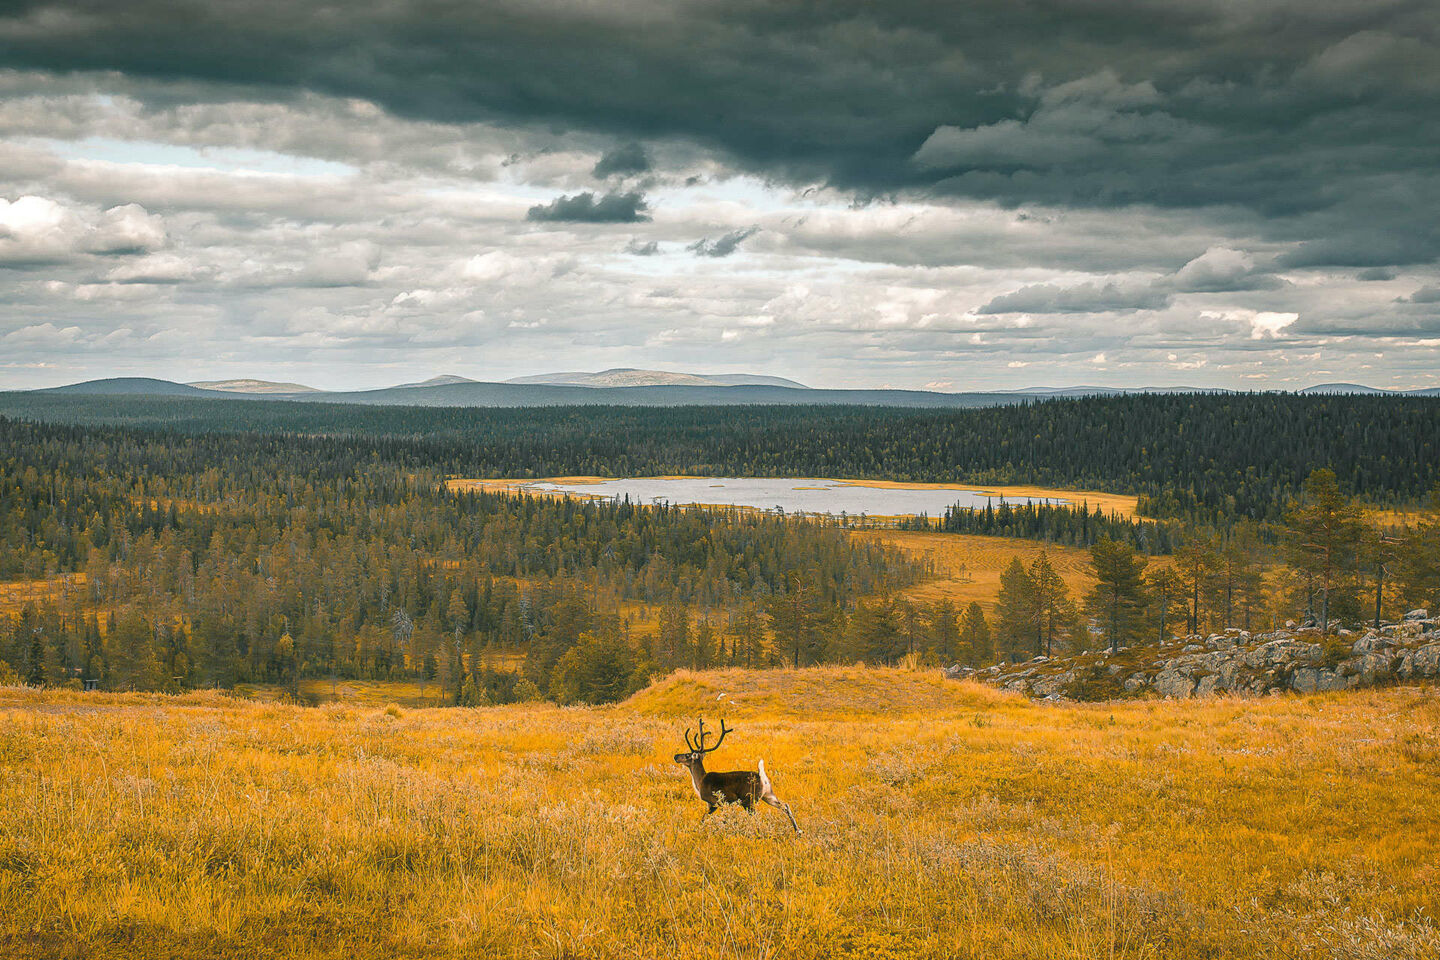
x=736, y=786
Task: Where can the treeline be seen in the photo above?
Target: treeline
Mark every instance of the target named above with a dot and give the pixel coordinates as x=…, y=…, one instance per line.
x=1339, y=570
x=1060, y=523
x=219, y=560
x=1207, y=458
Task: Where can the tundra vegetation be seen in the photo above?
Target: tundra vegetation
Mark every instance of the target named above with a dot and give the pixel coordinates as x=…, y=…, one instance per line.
x=941, y=819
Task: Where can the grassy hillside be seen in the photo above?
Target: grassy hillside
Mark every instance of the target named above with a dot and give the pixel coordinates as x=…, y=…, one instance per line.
x=941, y=820
x=966, y=568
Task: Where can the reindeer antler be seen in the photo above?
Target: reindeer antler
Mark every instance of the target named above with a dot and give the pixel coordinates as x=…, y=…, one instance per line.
x=723, y=730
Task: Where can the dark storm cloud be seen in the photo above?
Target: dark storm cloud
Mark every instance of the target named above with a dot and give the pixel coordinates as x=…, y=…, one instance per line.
x=1318, y=116
x=722, y=246
x=622, y=161
x=586, y=208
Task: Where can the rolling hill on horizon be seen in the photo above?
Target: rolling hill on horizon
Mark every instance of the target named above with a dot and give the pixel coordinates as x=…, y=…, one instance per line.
x=636, y=377
x=247, y=385
x=455, y=391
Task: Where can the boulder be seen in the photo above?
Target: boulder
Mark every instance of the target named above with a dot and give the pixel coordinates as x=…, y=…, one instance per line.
x=1051, y=686
x=1315, y=680
x=1421, y=662
x=1207, y=685
x=1418, y=614
x=1172, y=684
x=1369, y=643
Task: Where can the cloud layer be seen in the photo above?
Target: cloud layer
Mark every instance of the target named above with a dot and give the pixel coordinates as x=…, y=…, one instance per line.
x=983, y=194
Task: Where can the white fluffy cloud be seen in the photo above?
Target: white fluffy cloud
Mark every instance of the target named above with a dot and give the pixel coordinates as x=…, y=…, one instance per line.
x=39, y=230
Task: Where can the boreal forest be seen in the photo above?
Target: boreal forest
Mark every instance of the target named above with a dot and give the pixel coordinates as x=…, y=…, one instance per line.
x=191, y=543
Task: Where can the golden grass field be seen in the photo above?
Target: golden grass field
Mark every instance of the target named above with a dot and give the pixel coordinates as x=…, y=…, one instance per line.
x=967, y=567
x=941, y=819
x=359, y=693
x=16, y=595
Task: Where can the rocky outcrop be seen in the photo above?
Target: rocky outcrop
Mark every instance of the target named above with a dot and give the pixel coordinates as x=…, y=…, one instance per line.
x=1234, y=662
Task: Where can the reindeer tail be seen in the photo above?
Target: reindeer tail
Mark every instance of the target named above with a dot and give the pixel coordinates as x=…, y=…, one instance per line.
x=764, y=780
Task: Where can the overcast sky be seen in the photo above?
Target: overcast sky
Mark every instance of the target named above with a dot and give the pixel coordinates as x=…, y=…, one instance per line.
x=1232, y=193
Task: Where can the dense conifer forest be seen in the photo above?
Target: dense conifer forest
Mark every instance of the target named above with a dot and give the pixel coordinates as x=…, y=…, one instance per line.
x=1072, y=525
x=1206, y=458
x=204, y=543
x=212, y=560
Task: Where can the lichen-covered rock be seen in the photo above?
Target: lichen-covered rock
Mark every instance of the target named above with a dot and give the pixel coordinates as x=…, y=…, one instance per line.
x=1052, y=685
x=1421, y=662
x=1233, y=662
x=1172, y=684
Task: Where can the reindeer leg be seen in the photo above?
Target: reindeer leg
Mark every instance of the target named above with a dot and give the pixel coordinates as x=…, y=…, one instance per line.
x=774, y=801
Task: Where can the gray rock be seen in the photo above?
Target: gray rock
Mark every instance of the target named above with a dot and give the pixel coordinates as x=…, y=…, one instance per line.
x=1051, y=686
x=1368, y=643
x=1171, y=684
x=1136, y=681
x=1422, y=662
x=1207, y=685
x=1418, y=614
x=1315, y=680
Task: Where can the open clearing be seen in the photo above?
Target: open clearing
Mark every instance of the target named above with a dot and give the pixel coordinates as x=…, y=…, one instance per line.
x=967, y=567
x=941, y=819
x=16, y=595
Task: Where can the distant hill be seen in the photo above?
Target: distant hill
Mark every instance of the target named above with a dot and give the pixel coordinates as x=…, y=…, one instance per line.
x=1361, y=388
x=1092, y=391
x=547, y=395
x=470, y=393
x=443, y=380
x=252, y=386
x=1344, y=388
x=133, y=386
x=452, y=391
x=633, y=377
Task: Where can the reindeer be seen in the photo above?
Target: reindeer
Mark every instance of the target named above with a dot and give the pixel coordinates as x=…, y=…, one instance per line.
x=738, y=786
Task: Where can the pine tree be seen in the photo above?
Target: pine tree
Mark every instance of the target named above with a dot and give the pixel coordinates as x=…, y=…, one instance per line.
x=1195, y=562
x=1015, y=611
x=975, y=636
x=1052, y=603
x=1166, y=589
x=1117, y=601
x=1324, y=534
x=1419, y=572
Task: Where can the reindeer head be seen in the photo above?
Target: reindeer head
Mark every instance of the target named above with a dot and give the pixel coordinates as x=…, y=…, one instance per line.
x=697, y=750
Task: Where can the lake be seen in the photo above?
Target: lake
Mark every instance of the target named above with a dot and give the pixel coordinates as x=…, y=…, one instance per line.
x=791, y=494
